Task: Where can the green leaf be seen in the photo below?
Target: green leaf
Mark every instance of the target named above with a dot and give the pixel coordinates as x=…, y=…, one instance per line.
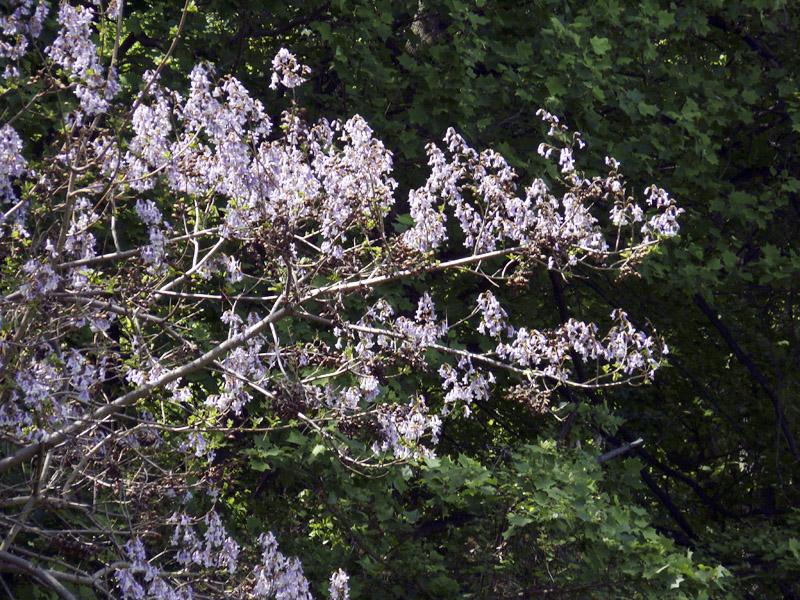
x=296, y=438
x=318, y=449
x=600, y=45
x=647, y=109
x=665, y=19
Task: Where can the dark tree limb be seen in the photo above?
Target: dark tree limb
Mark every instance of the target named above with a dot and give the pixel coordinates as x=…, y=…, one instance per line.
x=755, y=372
x=304, y=18
x=563, y=314
x=143, y=40
x=17, y=564
x=665, y=499
x=754, y=44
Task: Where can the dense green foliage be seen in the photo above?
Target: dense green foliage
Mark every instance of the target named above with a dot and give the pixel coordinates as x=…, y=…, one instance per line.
x=704, y=99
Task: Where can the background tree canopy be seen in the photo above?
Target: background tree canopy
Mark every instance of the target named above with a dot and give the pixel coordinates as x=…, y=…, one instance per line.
x=702, y=98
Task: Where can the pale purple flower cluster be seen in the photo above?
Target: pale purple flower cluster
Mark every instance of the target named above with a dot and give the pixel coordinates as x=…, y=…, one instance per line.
x=566, y=161
x=126, y=580
x=429, y=223
x=423, y=329
x=579, y=227
x=19, y=26
x=339, y=588
x=371, y=344
x=84, y=373
x=429, y=231
x=53, y=390
x=12, y=163
x=625, y=210
x=197, y=444
x=38, y=383
x=150, y=146
x=569, y=227
x=240, y=366
x=493, y=317
x=473, y=385
x=626, y=213
x=216, y=549
x=631, y=350
x=279, y=577
x=74, y=51
x=404, y=429
x=287, y=70
x=481, y=188
x=153, y=254
x=351, y=398
x=214, y=142
x=664, y=223
x=338, y=174
x=149, y=585
x=356, y=183
x=491, y=181
x=41, y=279
x=17, y=422
x=368, y=348
x=148, y=212
x=79, y=240
x=534, y=349
x=234, y=269
x=222, y=126
x=625, y=348
x=113, y=9
x=380, y=312
x=582, y=339
x=553, y=121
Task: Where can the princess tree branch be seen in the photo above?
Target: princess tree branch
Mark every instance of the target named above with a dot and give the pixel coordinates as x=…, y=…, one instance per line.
x=611, y=454
x=380, y=279
x=525, y=374
x=108, y=410
x=11, y=562
x=95, y=260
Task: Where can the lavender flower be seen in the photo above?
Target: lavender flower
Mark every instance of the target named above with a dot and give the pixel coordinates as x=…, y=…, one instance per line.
x=234, y=269
x=41, y=279
x=493, y=317
x=196, y=444
x=243, y=364
x=216, y=549
x=74, y=51
x=665, y=223
x=21, y=24
x=151, y=586
x=287, y=71
x=423, y=330
x=279, y=577
x=472, y=386
x=404, y=428
x=565, y=161
x=12, y=163
x=80, y=241
x=154, y=253
x=339, y=588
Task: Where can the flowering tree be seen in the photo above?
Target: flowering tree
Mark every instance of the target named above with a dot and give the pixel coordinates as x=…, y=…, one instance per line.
x=181, y=273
